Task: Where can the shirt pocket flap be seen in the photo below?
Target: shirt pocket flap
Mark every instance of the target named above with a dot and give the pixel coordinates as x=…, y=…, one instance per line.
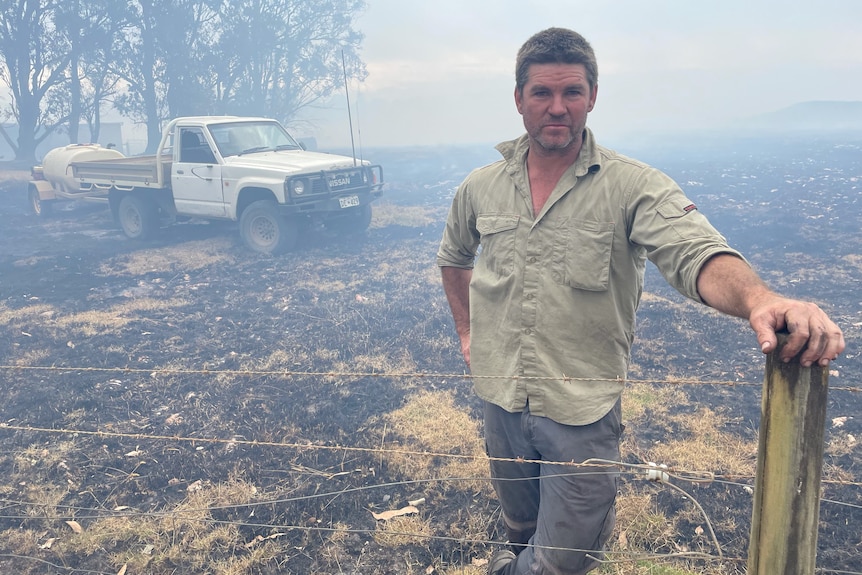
x=676, y=208
x=496, y=223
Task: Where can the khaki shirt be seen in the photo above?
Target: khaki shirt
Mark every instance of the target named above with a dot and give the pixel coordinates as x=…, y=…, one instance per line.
x=554, y=295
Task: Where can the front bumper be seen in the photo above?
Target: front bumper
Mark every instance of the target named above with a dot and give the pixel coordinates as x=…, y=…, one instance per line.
x=332, y=191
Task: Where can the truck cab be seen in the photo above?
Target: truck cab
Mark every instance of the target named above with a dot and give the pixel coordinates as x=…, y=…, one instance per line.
x=220, y=167
x=246, y=169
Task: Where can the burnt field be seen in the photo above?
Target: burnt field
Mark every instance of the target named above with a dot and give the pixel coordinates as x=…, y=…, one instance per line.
x=203, y=409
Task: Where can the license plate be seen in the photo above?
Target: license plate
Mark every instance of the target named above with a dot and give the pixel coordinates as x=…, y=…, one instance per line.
x=348, y=201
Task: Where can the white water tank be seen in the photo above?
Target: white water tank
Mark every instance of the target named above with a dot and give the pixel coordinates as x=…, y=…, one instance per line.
x=56, y=163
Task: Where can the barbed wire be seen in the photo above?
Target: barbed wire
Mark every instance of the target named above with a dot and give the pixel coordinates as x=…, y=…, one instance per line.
x=729, y=480
x=632, y=555
x=98, y=511
x=65, y=568
x=390, y=374
x=191, y=514
x=634, y=469
x=309, y=446
x=652, y=472
x=841, y=503
x=680, y=473
x=618, y=556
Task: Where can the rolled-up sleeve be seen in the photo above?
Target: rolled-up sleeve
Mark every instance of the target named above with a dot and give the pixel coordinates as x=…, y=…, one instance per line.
x=677, y=237
x=460, y=236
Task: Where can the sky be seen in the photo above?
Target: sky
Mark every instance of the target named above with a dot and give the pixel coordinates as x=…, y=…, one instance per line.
x=442, y=71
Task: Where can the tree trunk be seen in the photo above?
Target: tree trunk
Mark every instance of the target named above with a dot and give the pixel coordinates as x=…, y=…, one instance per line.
x=28, y=117
x=75, y=97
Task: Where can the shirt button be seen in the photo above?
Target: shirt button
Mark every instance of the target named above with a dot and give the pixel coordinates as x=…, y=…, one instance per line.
x=532, y=260
x=529, y=296
x=528, y=331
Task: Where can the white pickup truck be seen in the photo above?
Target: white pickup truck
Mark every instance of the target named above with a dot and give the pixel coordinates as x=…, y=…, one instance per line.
x=218, y=167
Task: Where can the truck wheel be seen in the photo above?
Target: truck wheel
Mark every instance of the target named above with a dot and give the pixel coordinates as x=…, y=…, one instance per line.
x=264, y=230
x=354, y=221
x=38, y=206
x=138, y=217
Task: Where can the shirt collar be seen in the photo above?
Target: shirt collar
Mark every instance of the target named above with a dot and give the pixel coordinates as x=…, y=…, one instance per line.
x=589, y=158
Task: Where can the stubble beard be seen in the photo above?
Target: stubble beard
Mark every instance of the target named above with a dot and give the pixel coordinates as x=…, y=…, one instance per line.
x=555, y=144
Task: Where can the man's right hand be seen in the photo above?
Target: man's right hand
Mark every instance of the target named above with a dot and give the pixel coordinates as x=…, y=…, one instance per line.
x=465, y=348
x=456, y=284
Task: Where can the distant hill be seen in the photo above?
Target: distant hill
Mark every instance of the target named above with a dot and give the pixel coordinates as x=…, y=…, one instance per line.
x=822, y=116
x=785, y=127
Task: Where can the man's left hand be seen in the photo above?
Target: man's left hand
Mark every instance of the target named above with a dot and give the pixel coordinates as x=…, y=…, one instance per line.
x=728, y=284
x=809, y=326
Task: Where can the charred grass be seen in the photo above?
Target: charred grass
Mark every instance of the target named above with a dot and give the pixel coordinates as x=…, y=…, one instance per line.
x=211, y=411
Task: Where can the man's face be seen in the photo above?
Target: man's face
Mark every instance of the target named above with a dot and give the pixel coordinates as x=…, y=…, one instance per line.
x=555, y=102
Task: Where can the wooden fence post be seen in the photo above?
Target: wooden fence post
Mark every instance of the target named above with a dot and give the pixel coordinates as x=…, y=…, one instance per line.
x=789, y=461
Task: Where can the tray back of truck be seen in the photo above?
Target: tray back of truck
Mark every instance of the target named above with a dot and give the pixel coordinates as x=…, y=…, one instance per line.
x=124, y=173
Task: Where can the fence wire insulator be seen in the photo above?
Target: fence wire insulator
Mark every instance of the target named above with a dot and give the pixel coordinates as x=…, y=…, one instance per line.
x=657, y=473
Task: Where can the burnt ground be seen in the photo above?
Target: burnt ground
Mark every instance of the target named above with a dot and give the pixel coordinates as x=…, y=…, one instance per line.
x=189, y=336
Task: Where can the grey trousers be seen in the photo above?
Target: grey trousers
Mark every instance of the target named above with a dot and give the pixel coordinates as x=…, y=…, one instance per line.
x=549, y=509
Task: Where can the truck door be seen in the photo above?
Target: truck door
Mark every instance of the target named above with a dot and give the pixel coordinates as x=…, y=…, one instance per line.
x=196, y=176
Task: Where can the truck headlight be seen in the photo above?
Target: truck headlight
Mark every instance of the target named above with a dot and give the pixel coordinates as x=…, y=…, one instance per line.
x=297, y=187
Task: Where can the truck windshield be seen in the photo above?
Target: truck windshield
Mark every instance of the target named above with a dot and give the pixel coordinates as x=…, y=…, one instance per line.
x=237, y=138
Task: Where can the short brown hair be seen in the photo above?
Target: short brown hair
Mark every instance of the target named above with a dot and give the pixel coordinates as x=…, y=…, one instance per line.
x=555, y=46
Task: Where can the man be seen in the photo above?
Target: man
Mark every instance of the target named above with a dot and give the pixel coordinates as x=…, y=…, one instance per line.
x=564, y=227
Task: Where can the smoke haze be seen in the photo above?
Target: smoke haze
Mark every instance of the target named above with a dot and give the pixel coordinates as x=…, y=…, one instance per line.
x=442, y=72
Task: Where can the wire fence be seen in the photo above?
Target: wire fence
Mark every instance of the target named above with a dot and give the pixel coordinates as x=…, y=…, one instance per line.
x=666, y=477
x=392, y=375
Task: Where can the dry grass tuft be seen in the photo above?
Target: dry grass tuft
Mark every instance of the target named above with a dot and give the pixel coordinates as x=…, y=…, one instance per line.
x=86, y=323
x=842, y=443
x=404, y=530
x=182, y=257
x=32, y=357
x=381, y=363
x=431, y=422
x=19, y=318
x=386, y=214
x=25, y=542
x=44, y=500
x=184, y=538
x=703, y=441
x=95, y=322
x=657, y=568
x=704, y=445
x=656, y=400
x=278, y=360
x=833, y=472
x=641, y=526
x=467, y=570
x=111, y=533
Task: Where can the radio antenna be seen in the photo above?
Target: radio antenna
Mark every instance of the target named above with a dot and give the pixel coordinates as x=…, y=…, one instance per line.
x=349, y=116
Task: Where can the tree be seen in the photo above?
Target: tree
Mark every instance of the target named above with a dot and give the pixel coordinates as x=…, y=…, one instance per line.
x=90, y=27
x=34, y=60
x=159, y=61
x=190, y=31
x=278, y=56
x=139, y=63
x=165, y=58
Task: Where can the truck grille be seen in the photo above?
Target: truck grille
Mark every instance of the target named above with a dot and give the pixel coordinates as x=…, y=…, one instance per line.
x=336, y=182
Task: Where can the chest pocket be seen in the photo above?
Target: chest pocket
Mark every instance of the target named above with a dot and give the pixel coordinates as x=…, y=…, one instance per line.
x=497, y=236
x=583, y=255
